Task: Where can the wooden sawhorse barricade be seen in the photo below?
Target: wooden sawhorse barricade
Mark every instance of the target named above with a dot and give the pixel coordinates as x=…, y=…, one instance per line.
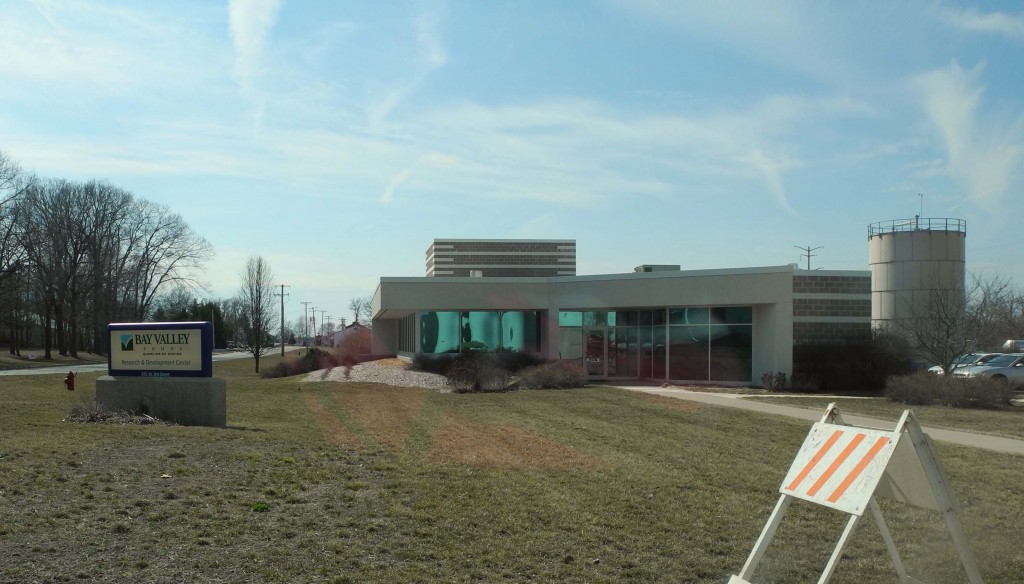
x=846, y=467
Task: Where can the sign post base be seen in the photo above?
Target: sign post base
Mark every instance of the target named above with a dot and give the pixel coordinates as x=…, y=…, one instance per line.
x=191, y=401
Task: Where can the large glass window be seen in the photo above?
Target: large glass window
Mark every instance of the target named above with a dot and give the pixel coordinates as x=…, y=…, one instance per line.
x=500, y=330
x=688, y=353
x=681, y=343
x=730, y=353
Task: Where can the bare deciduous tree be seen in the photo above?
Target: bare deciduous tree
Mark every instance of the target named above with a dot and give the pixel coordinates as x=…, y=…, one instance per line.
x=13, y=261
x=361, y=309
x=257, y=299
x=956, y=322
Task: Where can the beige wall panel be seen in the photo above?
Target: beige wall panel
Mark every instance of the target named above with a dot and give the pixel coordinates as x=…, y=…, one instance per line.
x=885, y=248
x=930, y=275
x=955, y=245
x=948, y=275
x=903, y=247
x=921, y=245
x=874, y=253
x=912, y=274
x=879, y=277
x=894, y=275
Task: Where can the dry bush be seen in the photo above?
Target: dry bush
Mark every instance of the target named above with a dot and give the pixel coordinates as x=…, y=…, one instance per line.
x=926, y=389
x=553, y=375
x=312, y=360
x=478, y=372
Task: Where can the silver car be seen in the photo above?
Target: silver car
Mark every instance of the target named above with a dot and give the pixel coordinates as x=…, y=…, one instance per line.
x=1008, y=368
x=966, y=361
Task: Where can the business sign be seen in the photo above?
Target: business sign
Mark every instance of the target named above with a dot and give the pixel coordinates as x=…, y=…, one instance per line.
x=160, y=349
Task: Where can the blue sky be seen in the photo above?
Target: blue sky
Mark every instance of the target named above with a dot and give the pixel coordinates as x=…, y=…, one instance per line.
x=338, y=139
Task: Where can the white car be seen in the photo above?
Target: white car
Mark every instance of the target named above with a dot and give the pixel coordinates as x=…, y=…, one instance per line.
x=966, y=361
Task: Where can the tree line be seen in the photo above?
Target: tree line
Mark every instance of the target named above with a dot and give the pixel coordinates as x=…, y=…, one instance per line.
x=75, y=256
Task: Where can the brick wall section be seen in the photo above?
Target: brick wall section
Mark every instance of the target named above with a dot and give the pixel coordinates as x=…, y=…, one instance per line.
x=832, y=285
x=831, y=307
x=830, y=333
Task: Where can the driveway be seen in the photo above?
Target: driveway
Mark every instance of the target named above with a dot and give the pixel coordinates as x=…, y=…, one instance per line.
x=737, y=401
x=93, y=367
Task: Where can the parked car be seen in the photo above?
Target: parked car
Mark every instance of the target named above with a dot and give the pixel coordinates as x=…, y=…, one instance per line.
x=1013, y=346
x=966, y=361
x=1007, y=367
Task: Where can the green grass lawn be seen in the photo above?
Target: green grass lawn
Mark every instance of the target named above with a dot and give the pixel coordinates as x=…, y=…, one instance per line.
x=366, y=483
x=1007, y=422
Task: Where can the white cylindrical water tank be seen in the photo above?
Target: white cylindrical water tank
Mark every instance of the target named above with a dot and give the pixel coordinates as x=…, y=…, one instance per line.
x=911, y=261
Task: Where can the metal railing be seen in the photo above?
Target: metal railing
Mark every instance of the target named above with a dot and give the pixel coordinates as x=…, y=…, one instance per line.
x=918, y=224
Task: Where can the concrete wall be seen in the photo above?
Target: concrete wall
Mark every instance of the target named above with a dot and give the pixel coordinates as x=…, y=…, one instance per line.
x=192, y=401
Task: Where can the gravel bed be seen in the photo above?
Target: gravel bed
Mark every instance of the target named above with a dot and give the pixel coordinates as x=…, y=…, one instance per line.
x=386, y=371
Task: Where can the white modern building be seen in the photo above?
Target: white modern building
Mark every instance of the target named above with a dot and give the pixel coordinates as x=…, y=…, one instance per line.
x=723, y=326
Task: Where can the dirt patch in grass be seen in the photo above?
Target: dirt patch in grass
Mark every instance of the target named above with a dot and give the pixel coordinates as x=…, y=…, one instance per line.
x=461, y=441
x=383, y=412
x=334, y=432
x=680, y=405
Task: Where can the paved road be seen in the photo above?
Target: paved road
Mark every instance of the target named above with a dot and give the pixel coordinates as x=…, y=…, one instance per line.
x=996, y=443
x=93, y=367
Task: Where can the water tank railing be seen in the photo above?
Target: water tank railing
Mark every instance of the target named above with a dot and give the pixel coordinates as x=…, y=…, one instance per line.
x=918, y=224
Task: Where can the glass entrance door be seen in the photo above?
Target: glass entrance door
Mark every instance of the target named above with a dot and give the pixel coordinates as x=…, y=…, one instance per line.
x=595, y=351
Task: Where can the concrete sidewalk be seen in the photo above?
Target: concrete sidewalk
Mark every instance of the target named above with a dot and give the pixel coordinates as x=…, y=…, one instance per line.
x=996, y=443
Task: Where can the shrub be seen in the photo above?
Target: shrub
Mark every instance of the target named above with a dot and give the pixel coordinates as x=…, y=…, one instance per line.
x=856, y=366
x=478, y=372
x=773, y=381
x=514, y=361
x=553, y=375
x=439, y=363
x=312, y=360
x=926, y=389
x=481, y=372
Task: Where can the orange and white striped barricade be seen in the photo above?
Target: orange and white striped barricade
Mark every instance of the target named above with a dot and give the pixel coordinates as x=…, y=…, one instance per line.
x=846, y=468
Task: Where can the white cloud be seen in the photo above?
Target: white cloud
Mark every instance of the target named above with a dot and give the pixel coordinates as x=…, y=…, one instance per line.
x=998, y=23
x=431, y=55
x=249, y=22
x=983, y=151
x=388, y=196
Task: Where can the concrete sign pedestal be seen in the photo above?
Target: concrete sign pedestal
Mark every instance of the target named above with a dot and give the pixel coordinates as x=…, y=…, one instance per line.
x=191, y=401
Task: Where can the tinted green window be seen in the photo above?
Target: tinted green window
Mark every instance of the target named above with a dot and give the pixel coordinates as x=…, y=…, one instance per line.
x=688, y=316
x=732, y=315
x=570, y=318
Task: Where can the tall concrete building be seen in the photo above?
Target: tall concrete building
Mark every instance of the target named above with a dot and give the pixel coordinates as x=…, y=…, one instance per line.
x=502, y=258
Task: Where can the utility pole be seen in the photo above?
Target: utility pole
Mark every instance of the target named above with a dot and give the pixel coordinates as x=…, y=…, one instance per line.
x=807, y=253
x=282, y=295
x=313, y=320
x=322, y=313
x=305, y=322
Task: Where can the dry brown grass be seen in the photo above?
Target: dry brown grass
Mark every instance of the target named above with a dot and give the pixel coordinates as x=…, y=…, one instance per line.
x=461, y=441
x=333, y=430
x=383, y=412
x=679, y=405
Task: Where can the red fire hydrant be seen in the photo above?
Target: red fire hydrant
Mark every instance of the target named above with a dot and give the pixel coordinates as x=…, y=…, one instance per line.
x=69, y=381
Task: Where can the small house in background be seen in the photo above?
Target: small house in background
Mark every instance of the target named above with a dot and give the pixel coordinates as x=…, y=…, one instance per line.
x=337, y=337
